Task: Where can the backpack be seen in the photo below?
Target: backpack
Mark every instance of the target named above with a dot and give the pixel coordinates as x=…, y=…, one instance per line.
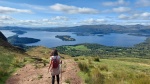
x=55, y=63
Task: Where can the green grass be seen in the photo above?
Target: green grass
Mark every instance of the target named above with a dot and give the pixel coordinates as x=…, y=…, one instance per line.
x=135, y=60
x=9, y=62
x=67, y=81
x=115, y=71
x=40, y=76
x=139, y=51
x=5, y=67
x=79, y=47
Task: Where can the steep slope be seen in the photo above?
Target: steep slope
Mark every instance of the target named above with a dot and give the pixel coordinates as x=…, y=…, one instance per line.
x=37, y=73
x=4, y=43
x=11, y=58
x=2, y=36
x=32, y=75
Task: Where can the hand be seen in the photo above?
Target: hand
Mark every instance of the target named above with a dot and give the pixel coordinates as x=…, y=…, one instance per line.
x=48, y=70
x=60, y=62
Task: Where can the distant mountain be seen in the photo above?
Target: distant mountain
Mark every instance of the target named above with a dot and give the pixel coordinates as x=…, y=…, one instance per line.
x=14, y=28
x=103, y=29
x=93, y=29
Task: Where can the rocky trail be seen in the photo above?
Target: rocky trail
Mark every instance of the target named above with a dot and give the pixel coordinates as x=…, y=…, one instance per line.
x=33, y=74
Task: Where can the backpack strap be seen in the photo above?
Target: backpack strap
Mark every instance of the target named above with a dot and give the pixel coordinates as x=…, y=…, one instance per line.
x=54, y=57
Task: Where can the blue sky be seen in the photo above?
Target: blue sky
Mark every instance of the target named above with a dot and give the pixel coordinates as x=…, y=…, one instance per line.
x=64, y=13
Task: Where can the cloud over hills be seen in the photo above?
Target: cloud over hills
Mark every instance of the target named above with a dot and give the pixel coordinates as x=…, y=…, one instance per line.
x=80, y=12
x=6, y=10
x=73, y=9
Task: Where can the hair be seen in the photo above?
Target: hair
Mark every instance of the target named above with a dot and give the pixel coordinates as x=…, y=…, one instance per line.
x=54, y=53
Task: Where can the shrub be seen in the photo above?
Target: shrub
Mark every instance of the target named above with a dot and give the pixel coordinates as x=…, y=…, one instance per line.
x=144, y=79
x=67, y=81
x=44, y=62
x=18, y=63
x=75, y=59
x=24, y=60
x=103, y=68
x=96, y=59
x=83, y=66
x=81, y=58
x=3, y=72
x=40, y=76
x=89, y=61
x=96, y=77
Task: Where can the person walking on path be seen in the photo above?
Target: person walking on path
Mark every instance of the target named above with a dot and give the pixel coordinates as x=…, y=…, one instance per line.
x=54, y=65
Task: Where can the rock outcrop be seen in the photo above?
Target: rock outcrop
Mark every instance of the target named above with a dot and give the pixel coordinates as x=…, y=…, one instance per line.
x=4, y=43
x=2, y=36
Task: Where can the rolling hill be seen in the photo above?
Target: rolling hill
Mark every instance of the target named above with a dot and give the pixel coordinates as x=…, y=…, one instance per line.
x=97, y=64
x=11, y=57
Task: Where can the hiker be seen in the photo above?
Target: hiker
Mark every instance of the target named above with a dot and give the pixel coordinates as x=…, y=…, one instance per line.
x=54, y=67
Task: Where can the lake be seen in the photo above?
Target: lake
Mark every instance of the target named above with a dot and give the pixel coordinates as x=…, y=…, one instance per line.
x=48, y=38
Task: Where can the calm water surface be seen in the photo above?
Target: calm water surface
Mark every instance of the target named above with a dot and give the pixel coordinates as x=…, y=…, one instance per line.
x=48, y=38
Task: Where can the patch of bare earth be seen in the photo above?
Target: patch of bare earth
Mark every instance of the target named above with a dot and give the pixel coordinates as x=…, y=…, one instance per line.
x=32, y=75
x=70, y=70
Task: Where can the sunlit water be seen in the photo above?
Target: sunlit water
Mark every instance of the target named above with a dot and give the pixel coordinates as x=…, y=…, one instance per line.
x=48, y=38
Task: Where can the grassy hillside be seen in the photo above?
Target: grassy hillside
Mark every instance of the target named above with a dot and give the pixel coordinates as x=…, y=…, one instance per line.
x=9, y=62
x=141, y=50
x=11, y=58
x=42, y=52
x=114, y=71
x=111, y=65
x=98, y=64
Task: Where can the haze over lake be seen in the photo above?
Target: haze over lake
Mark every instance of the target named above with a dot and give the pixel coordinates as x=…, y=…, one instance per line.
x=48, y=38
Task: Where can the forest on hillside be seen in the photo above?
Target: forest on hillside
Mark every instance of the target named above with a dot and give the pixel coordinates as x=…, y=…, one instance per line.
x=141, y=50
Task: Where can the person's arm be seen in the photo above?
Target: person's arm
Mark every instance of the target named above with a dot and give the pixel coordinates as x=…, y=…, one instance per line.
x=60, y=61
x=50, y=63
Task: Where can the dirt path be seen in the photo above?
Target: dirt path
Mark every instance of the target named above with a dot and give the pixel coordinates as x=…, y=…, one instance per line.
x=32, y=75
x=70, y=70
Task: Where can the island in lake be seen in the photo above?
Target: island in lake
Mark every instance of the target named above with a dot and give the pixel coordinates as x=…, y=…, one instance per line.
x=21, y=40
x=19, y=32
x=65, y=37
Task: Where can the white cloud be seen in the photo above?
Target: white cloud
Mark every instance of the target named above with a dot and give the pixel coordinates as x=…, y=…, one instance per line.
x=139, y=16
x=143, y=3
x=121, y=9
x=36, y=7
x=133, y=22
x=118, y=10
x=41, y=23
x=145, y=14
x=51, y=22
x=45, y=20
x=4, y=18
x=63, y=18
x=73, y=9
x=54, y=23
x=92, y=21
x=123, y=16
x=5, y=10
x=29, y=21
x=25, y=6
x=119, y=2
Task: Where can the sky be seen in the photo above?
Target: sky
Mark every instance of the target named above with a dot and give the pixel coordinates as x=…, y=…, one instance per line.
x=66, y=13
